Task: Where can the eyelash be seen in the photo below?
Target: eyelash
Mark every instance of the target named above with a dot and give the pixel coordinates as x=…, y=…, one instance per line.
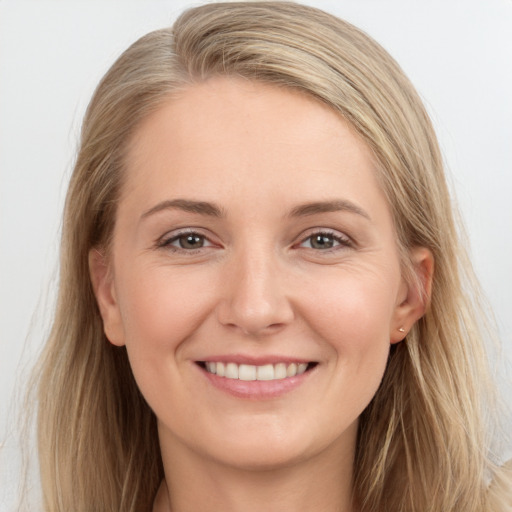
x=343, y=241
x=166, y=242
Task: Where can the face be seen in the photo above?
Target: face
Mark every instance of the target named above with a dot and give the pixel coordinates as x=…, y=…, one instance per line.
x=253, y=275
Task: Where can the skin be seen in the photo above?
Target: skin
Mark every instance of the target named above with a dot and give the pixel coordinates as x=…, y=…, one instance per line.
x=259, y=286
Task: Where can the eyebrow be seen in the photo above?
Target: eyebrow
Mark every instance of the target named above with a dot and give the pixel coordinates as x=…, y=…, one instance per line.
x=199, y=207
x=336, y=205
x=302, y=210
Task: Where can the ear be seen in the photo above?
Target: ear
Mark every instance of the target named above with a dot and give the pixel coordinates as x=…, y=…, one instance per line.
x=104, y=290
x=414, y=294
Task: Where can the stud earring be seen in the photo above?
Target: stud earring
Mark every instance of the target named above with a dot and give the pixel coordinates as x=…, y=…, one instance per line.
x=401, y=329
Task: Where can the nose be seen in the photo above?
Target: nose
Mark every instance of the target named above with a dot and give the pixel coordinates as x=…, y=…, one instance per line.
x=255, y=300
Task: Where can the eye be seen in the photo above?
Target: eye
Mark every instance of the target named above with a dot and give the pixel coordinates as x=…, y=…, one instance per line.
x=324, y=241
x=190, y=241
x=187, y=241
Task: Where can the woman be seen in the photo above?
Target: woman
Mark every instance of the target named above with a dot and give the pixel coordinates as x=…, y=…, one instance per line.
x=263, y=304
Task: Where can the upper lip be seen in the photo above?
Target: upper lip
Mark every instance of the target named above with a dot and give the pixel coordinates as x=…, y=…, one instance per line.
x=254, y=360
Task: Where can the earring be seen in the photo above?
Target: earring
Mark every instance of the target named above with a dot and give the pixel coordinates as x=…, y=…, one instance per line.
x=401, y=329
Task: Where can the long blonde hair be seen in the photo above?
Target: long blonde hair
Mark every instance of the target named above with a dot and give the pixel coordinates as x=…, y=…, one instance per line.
x=423, y=442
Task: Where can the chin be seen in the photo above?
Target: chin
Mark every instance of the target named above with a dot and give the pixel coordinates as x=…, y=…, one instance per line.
x=268, y=449
x=263, y=456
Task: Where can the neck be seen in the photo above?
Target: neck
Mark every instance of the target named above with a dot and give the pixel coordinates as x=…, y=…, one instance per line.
x=194, y=483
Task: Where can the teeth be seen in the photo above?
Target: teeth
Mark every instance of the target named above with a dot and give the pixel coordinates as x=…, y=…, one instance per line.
x=249, y=372
x=265, y=372
x=280, y=371
x=291, y=370
x=231, y=371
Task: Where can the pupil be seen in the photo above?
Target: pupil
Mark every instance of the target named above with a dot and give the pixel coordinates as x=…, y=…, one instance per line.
x=322, y=242
x=191, y=242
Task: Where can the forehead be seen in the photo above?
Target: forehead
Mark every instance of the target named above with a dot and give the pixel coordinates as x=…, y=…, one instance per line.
x=235, y=135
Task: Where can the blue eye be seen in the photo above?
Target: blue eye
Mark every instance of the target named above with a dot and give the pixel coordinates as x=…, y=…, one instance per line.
x=325, y=241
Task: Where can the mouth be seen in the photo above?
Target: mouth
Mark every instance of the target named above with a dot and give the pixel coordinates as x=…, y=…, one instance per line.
x=248, y=372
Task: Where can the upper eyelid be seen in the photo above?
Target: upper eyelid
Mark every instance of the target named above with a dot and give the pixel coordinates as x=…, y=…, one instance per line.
x=173, y=235
x=324, y=231
x=184, y=231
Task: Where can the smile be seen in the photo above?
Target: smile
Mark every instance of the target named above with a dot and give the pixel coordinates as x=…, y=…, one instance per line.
x=249, y=372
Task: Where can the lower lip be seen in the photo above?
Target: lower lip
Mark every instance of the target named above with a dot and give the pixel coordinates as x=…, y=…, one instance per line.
x=256, y=389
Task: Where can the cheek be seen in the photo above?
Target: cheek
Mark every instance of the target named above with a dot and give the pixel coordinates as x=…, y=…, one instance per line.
x=353, y=306
x=160, y=314
x=352, y=318
x=161, y=308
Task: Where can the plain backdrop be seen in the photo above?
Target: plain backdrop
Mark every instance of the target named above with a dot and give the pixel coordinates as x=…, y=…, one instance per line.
x=52, y=54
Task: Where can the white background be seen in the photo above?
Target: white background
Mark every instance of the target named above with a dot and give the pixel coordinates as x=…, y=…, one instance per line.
x=52, y=54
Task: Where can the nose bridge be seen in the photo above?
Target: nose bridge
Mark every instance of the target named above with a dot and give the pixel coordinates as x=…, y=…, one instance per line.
x=255, y=298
